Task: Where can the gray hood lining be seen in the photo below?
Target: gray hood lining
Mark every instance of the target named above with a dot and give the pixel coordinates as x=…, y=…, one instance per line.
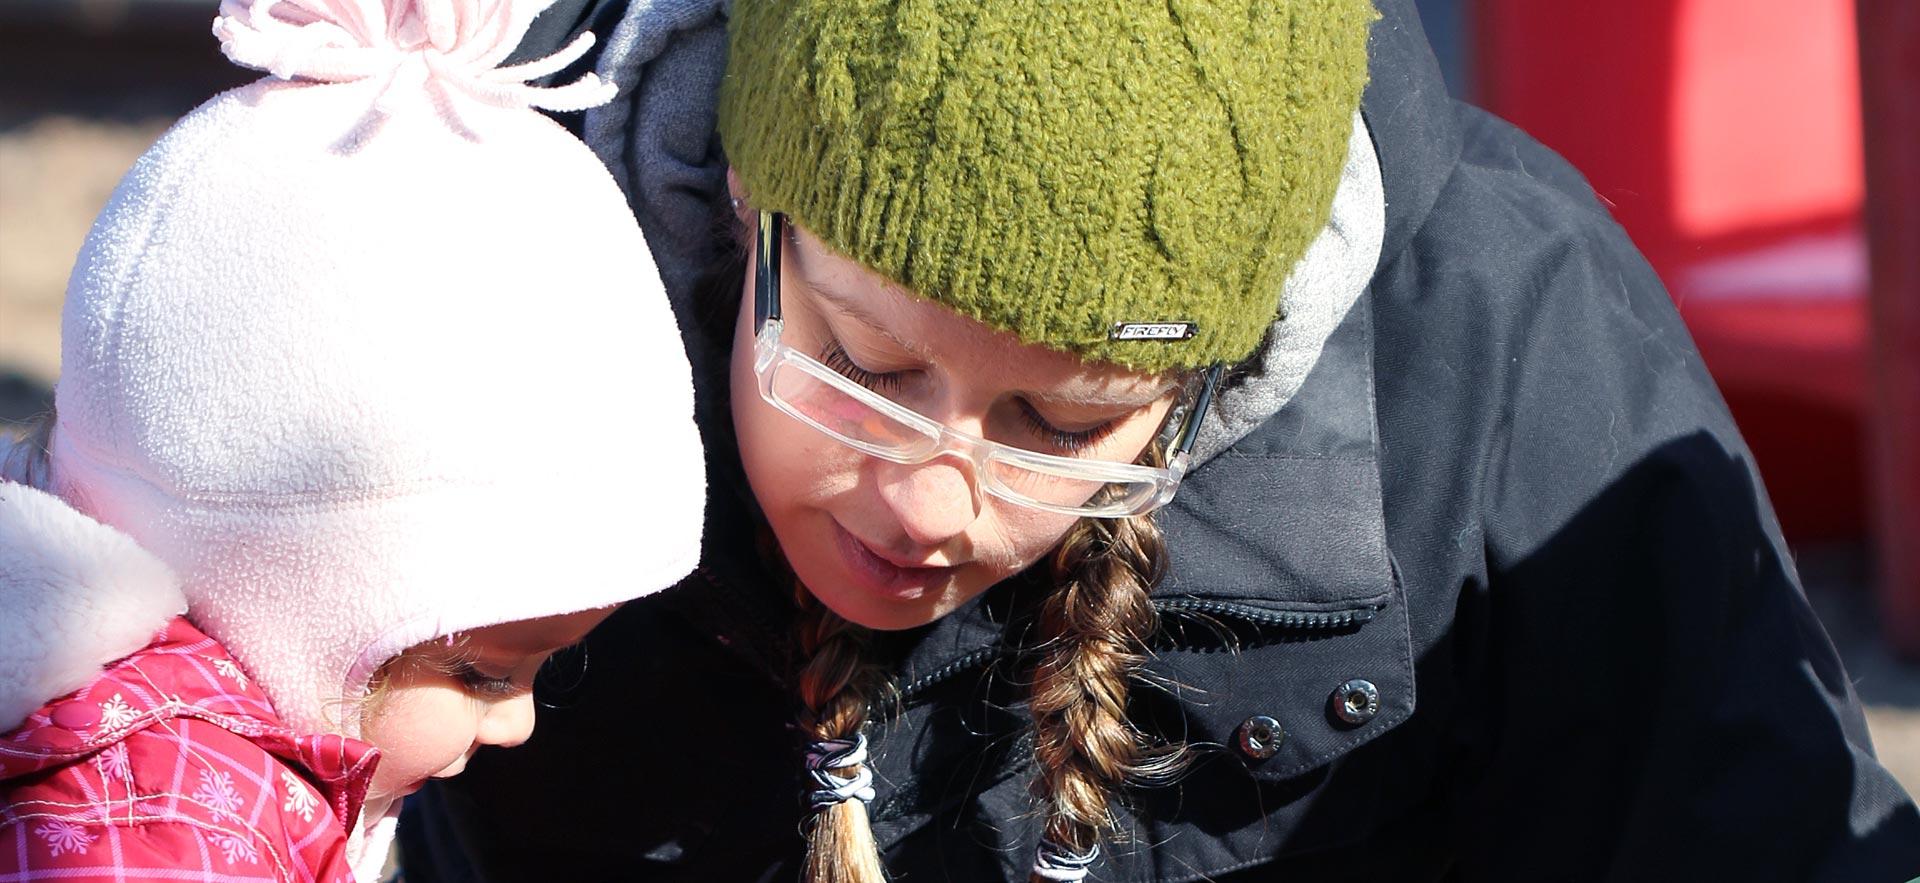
x=1322, y=288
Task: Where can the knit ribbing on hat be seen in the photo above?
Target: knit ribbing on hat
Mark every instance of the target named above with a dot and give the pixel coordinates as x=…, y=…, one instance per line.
x=1055, y=169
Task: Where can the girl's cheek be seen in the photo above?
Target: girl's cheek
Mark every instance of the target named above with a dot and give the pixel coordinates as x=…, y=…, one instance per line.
x=423, y=730
x=419, y=713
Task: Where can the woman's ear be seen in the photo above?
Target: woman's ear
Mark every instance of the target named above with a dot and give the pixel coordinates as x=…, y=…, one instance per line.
x=737, y=199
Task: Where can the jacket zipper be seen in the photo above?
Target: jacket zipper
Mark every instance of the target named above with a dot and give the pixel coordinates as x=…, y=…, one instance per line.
x=947, y=672
x=1287, y=619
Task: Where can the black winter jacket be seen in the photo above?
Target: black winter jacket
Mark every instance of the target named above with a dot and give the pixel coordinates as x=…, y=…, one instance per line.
x=1507, y=502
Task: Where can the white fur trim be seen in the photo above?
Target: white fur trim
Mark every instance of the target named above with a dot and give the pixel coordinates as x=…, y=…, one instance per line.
x=77, y=595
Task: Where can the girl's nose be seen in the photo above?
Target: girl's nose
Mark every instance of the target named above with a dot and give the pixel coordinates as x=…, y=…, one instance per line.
x=507, y=723
x=933, y=501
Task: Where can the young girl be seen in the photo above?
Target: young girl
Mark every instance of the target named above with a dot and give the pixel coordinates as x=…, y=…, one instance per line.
x=305, y=403
x=1458, y=571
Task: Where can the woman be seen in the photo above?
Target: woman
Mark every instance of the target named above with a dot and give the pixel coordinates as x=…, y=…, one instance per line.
x=1467, y=572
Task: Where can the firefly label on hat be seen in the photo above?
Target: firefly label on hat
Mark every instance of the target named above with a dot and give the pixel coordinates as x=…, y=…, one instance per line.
x=1152, y=331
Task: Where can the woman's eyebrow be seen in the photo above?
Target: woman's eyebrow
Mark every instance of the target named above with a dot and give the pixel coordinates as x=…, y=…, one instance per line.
x=862, y=315
x=1100, y=399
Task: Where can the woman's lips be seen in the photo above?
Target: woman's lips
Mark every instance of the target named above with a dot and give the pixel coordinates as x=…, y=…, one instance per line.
x=883, y=577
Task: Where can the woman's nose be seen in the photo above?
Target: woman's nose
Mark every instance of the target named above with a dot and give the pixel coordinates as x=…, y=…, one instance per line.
x=507, y=723
x=933, y=501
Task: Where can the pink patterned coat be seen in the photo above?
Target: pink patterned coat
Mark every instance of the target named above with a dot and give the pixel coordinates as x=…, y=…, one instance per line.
x=132, y=746
x=172, y=761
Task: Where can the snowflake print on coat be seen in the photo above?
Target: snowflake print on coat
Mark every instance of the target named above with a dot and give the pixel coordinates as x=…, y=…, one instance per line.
x=191, y=781
x=63, y=837
x=227, y=668
x=216, y=792
x=235, y=848
x=115, y=713
x=114, y=764
x=300, y=799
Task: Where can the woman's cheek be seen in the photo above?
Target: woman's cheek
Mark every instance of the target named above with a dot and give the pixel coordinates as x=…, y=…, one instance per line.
x=1024, y=536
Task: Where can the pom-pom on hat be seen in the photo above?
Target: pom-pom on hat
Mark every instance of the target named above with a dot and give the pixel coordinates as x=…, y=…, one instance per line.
x=370, y=352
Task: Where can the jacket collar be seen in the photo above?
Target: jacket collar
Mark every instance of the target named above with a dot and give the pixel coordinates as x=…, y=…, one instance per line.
x=78, y=595
x=1412, y=118
x=182, y=673
x=93, y=649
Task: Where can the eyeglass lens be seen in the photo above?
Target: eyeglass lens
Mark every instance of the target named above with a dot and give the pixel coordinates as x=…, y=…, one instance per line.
x=841, y=414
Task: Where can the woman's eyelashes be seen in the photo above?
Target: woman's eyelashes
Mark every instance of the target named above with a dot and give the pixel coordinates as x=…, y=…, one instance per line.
x=1062, y=439
x=835, y=356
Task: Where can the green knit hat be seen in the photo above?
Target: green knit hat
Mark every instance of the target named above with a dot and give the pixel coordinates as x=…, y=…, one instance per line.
x=1091, y=175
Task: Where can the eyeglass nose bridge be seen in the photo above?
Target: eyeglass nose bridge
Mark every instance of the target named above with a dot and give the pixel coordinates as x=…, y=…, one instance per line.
x=978, y=453
x=948, y=442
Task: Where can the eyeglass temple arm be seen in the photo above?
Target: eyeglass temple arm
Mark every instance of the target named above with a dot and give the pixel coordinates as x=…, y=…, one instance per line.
x=1190, y=427
x=766, y=284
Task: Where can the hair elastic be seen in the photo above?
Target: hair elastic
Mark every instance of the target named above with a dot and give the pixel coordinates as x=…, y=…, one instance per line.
x=827, y=755
x=1056, y=862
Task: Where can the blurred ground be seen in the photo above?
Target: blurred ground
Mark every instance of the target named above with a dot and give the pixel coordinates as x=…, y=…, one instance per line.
x=1836, y=577
x=71, y=124
x=55, y=173
x=84, y=89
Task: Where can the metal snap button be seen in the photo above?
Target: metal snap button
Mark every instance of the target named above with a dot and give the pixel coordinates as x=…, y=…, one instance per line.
x=1356, y=702
x=1258, y=737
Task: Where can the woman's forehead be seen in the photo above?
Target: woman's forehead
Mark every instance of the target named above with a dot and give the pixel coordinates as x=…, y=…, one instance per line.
x=937, y=334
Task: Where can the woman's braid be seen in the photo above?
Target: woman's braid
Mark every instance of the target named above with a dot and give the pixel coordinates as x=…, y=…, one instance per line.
x=837, y=682
x=1093, y=627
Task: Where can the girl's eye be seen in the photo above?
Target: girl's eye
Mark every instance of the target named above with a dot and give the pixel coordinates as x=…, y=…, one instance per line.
x=835, y=356
x=485, y=685
x=1061, y=439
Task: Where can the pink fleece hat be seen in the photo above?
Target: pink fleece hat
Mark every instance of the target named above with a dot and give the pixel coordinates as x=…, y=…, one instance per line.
x=370, y=352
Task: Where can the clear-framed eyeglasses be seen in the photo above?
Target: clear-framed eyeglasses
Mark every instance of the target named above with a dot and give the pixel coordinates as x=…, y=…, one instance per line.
x=821, y=397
